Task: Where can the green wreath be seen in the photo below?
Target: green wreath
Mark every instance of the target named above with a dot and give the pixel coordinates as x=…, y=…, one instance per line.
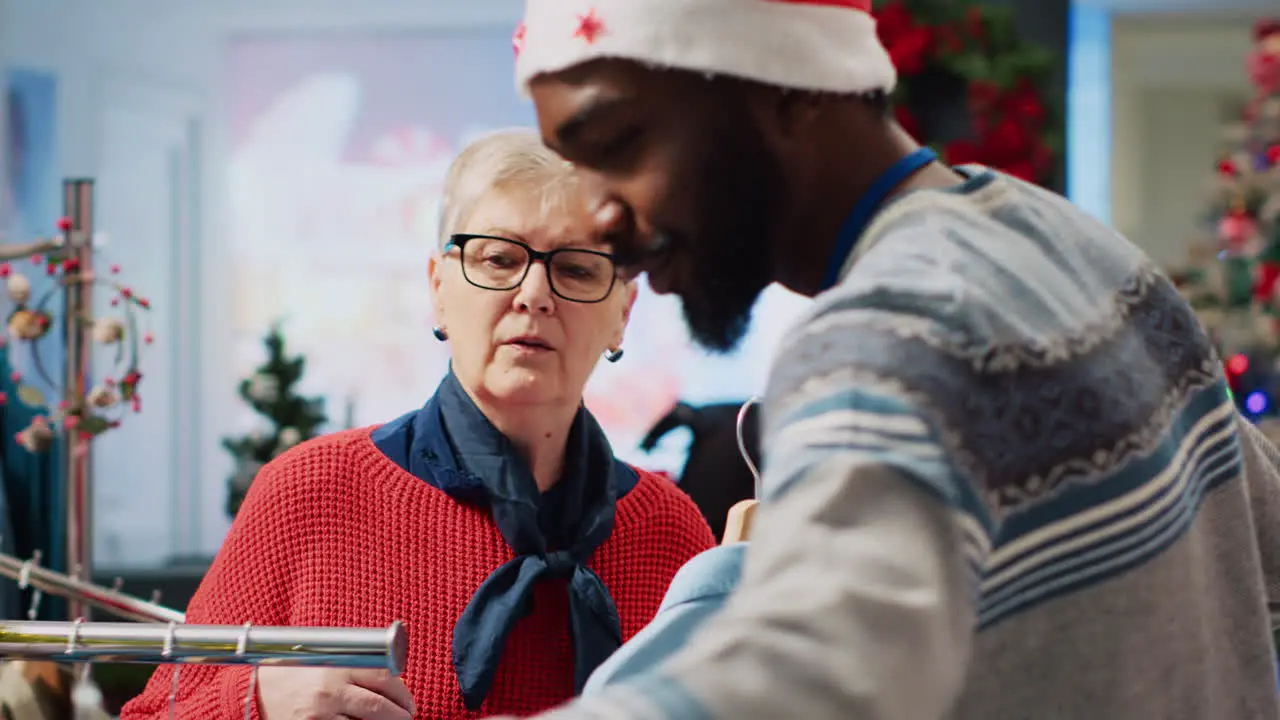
x=971, y=52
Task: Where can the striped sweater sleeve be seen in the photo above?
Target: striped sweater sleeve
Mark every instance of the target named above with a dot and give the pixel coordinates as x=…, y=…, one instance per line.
x=857, y=596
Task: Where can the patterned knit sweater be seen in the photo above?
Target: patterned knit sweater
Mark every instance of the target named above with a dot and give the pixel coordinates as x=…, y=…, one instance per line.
x=1005, y=481
x=335, y=534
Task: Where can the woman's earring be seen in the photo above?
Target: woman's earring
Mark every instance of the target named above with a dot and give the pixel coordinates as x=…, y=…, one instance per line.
x=613, y=354
x=440, y=334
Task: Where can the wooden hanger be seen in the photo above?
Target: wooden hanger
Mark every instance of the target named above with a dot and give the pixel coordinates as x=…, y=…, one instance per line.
x=737, y=527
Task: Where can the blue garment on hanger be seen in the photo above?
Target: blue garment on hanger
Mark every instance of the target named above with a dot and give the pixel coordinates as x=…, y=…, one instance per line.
x=697, y=593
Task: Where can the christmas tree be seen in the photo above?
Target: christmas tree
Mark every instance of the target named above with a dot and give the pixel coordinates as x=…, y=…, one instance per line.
x=1232, y=279
x=270, y=392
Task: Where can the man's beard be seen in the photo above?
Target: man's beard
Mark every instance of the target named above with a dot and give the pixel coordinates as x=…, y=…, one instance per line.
x=742, y=193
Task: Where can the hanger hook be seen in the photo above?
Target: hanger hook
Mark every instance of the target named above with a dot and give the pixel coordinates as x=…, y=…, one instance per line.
x=73, y=637
x=740, y=429
x=167, y=652
x=242, y=648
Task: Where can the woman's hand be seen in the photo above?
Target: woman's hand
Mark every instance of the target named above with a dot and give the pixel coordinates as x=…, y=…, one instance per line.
x=286, y=693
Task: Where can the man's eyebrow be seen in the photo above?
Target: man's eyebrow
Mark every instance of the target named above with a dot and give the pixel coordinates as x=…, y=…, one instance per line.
x=571, y=128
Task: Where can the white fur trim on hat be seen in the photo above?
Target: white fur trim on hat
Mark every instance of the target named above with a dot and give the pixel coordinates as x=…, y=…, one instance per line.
x=800, y=44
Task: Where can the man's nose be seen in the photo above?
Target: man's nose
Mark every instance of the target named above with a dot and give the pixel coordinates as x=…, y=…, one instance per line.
x=610, y=218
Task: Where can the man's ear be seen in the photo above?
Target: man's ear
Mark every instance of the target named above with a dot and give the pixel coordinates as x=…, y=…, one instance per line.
x=793, y=112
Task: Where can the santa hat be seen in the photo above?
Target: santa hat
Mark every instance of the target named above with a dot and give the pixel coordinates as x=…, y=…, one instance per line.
x=818, y=45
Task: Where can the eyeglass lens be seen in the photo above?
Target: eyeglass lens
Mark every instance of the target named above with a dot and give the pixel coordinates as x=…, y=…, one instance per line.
x=498, y=264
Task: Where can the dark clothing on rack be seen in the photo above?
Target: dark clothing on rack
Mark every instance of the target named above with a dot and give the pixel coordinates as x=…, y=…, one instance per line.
x=714, y=476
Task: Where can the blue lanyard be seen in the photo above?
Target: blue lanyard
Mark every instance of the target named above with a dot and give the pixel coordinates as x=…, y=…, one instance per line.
x=867, y=205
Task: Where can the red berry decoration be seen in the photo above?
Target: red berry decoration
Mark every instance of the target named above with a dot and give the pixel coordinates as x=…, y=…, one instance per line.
x=64, y=224
x=1227, y=168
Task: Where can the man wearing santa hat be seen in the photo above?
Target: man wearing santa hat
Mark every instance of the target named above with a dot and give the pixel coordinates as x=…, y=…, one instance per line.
x=1005, y=477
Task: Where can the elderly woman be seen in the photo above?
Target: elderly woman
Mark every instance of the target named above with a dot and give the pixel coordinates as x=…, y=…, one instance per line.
x=495, y=521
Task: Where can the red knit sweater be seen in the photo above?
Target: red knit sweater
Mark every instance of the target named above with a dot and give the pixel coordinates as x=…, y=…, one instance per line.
x=333, y=533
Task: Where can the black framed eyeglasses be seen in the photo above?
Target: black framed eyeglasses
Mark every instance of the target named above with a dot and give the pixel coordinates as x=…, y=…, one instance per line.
x=498, y=263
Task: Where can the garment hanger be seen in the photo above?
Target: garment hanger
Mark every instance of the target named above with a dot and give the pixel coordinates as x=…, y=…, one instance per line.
x=737, y=528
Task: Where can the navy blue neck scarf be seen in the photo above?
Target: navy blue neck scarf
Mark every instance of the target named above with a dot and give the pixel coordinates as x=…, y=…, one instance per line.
x=451, y=444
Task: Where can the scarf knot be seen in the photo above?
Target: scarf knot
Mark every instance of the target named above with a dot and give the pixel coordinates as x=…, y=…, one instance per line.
x=561, y=563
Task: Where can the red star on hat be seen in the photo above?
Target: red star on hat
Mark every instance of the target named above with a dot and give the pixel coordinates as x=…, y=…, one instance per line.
x=589, y=27
x=517, y=39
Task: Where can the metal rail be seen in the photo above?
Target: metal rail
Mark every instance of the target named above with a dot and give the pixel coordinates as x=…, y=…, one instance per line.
x=177, y=644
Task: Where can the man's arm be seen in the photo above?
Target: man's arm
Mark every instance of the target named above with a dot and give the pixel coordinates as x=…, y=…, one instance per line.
x=856, y=600
x=1262, y=478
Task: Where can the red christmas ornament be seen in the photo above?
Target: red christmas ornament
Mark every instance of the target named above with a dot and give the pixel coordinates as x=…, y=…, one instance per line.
x=1268, y=274
x=70, y=265
x=590, y=27
x=1236, y=229
x=1273, y=154
x=5, y=270
x=51, y=268
x=36, y=259
x=1227, y=168
x=64, y=224
x=1238, y=364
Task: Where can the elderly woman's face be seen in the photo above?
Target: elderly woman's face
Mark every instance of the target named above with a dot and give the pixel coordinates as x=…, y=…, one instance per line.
x=526, y=344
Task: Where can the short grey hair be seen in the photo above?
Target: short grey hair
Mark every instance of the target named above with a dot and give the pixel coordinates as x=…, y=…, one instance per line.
x=500, y=161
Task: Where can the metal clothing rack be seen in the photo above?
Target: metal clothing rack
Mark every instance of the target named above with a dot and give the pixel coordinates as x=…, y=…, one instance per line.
x=29, y=574
x=178, y=644
x=161, y=637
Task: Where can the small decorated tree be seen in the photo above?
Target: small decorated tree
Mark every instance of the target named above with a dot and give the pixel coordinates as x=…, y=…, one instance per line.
x=1233, y=276
x=270, y=392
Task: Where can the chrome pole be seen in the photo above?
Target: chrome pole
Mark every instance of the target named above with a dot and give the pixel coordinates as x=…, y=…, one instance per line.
x=29, y=574
x=76, y=462
x=177, y=644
